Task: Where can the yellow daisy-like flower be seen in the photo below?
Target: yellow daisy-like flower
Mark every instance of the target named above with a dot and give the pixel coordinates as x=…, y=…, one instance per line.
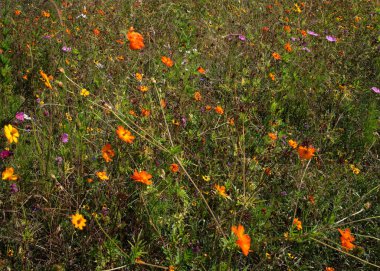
x=8, y=174
x=206, y=178
x=102, y=175
x=84, y=92
x=78, y=221
x=11, y=133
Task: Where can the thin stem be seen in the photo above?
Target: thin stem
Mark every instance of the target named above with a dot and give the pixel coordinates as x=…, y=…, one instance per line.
x=299, y=187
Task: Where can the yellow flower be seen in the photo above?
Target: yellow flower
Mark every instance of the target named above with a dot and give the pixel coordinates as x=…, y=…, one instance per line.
x=139, y=76
x=84, y=92
x=11, y=133
x=354, y=169
x=206, y=178
x=143, y=88
x=292, y=144
x=102, y=175
x=78, y=221
x=8, y=174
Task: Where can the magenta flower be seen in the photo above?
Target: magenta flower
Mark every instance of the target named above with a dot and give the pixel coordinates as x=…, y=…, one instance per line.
x=242, y=37
x=20, y=116
x=312, y=33
x=331, y=38
x=376, y=90
x=5, y=154
x=64, y=138
x=306, y=49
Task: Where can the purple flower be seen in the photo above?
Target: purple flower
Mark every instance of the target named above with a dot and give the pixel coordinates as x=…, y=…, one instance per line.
x=294, y=38
x=331, y=38
x=47, y=37
x=20, y=116
x=64, y=138
x=306, y=49
x=376, y=90
x=5, y=154
x=14, y=188
x=184, y=121
x=66, y=49
x=242, y=38
x=312, y=33
x=283, y=193
x=59, y=160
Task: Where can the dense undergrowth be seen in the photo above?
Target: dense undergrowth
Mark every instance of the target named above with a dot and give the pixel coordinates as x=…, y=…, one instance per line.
x=267, y=117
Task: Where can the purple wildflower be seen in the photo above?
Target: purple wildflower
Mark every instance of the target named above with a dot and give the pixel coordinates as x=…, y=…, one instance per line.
x=64, y=138
x=184, y=121
x=59, y=160
x=14, y=188
x=5, y=154
x=66, y=49
x=376, y=90
x=306, y=49
x=331, y=38
x=294, y=38
x=283, y=193
x=312, y=33
x=242, y=38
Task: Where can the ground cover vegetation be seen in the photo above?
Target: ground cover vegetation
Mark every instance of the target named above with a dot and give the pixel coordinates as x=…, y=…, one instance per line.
x=189, y=135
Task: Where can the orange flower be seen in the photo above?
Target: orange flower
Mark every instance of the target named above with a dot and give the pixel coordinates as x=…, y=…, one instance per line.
x=272, y=136
x=174, y=168
x=231, y=121
x=287, y=28
x=120, y=41
x=272, y=76
x=330, y=269
x=45, y=14
x=297, y=223
x=219, y=110
x=17, y=12
x=139, y=77
x=201, y=70
x=46, y=80
x=346, y=238
x=124, y=134
x=197, y=96
x=244, y=241
x=221, y=189
x=107, y=152
x=102, y=175
x=163, y=103
x=96, y=32
x=276, y=56
x=288, y=47
x=145, y=112
x=8, y=174
x=143, y=88
x=265, y=28
x=208, y=107
x=306, y=152
x=136, y=40
x=303, y=33
x=292, y=144
x=167, y=61
x=78, y=221
x=311, y=199
x=142, y=177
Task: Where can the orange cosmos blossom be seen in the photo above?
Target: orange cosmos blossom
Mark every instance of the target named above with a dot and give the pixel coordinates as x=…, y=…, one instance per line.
x=288, y=47
x=174, y=168
x=136, y=40
x=102, y=175
x=297, y=223
x=272, y=136
x=8, y=174
x=219, y=110
x=221, y=189
x=292, y=144
x=167, y=61
x=244, y=241
x=197, y=96
x=201, y=70
x=107, y=152
x=276, y=56
x=46, y=79
x=124, y=134
x=142, y=177
x=346, y=238
x=330, y=269
x=306, y=152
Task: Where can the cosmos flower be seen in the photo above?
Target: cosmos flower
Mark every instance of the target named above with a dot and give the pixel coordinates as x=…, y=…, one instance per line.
x=174, y=168
x=346, y=239
x=8, y=174
x=102, y=175
x=306, y=152
x=64, y=138
x=167, y=61
x=136, y=40
x=124, y=134
x=312, y=33
x=297, y=223
x=107, y=152
x=221, y=189
x=142, y=177
x=244, y=241
x=331, y=38
x=78, y=221
x=11, y=133
x=376, y=90
x=219, y=110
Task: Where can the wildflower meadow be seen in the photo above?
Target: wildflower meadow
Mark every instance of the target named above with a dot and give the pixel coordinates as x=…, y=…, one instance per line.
x=189, y=135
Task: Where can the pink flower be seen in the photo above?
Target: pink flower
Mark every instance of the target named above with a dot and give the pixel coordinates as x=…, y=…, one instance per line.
x=376, y=90
x=331, y=38
x=20, y=116
x=64, y=138
x=312, y=33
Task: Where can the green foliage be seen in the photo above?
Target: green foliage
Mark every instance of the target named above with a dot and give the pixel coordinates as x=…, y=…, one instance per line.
x=319, y=94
